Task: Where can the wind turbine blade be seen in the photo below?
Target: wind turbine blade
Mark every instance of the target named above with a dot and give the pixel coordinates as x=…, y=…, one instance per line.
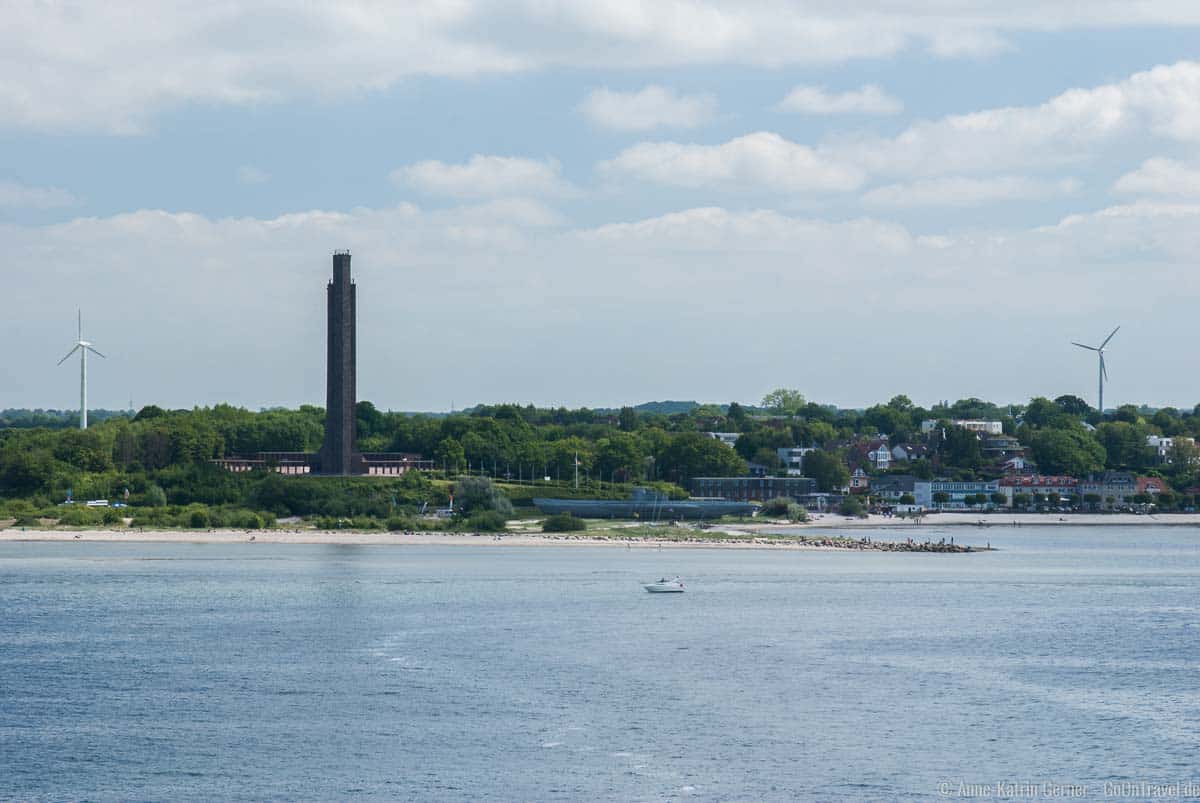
x=1110, y=337
x=69, y=353
x=93, y=351
x=1089, y=348
x=1103, y=370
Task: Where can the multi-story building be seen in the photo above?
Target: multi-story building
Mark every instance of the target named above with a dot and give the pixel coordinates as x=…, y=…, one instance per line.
x=860, y=483
x=1001, y=447
x=1114, y=488
x=982, y=427
x=727, y=438
x=880, y=455
x=1164, y=447
x=956, y=491
x=876, y=453
x=793, y=459
x=1063, y=487
x=890, y=487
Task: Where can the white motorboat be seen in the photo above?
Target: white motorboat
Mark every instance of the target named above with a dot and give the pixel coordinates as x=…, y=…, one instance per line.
x=665, y=586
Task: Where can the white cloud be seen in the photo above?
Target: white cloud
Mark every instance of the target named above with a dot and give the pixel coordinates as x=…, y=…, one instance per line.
x=958, y=191
x=1069, y=128
x=756, y=160
x=249, y=175
x=1131, y=240
x=22, y=196
x=485, y=176
x=649, y=108
x=519, y=213
x=113, y=66
x=1160, y=176
x=1138, y=212
x=867, y=99
x=443, y=293
x=762, y=231
x=957, y=42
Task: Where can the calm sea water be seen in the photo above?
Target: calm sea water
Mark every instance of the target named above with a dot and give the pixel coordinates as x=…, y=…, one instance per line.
x=176, y=671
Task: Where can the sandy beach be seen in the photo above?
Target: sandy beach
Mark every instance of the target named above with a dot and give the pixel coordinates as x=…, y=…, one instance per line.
x=749, y=541
x=724, y=538
x=728, y=536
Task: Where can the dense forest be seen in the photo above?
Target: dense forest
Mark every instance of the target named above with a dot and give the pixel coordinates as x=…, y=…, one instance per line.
x=159, y=461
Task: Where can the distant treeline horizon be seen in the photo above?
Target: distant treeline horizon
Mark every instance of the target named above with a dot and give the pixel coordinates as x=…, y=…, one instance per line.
x=165, y=458
x=53, y=418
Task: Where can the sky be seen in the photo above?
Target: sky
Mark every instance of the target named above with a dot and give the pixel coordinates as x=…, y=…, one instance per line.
x=602, y=203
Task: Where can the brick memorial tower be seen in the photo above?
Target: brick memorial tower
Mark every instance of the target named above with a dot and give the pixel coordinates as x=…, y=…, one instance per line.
x=338, y=456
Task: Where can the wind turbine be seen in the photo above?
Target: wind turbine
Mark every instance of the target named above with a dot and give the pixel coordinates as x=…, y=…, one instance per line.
x=1103, y=371
x=83, y=347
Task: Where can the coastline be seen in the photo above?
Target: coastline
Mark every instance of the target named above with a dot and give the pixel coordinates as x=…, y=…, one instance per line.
x=776, y=535
x=734, y=539
x=986, y=520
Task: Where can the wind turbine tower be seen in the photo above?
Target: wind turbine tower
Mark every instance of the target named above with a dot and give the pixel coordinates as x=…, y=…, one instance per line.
x=1103, y=371
x=83, y=347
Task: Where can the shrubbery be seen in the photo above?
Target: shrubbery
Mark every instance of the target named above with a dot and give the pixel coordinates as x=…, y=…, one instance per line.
x=478, y=494
x=776, y=507
x=200, y=517
x=356, y=523
x=784, y=507
x=344, y=497
x=796, y=512
x=153, y=517
x=563, y=523
x=415, y=524
x=852, y=506
x=488, y=521
x=78, y=516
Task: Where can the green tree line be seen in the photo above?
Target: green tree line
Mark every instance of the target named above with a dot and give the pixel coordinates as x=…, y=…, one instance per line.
x=163, y=457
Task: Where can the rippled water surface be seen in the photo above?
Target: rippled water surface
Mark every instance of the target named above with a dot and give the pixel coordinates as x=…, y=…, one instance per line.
x=257, y=671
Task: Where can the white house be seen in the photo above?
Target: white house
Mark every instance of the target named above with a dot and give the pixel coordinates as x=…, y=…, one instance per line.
x=727, y=438
x=880, y=456
x=793, y=459
x=1163, y=447
x=859, y=482
x=982, y=427
x=909, y=451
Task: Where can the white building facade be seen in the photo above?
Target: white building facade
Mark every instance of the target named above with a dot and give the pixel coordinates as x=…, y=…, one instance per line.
x=924, y=490
x=982, y=427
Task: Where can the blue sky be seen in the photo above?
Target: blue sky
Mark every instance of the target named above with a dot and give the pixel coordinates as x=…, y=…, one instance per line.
x=561, y=204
